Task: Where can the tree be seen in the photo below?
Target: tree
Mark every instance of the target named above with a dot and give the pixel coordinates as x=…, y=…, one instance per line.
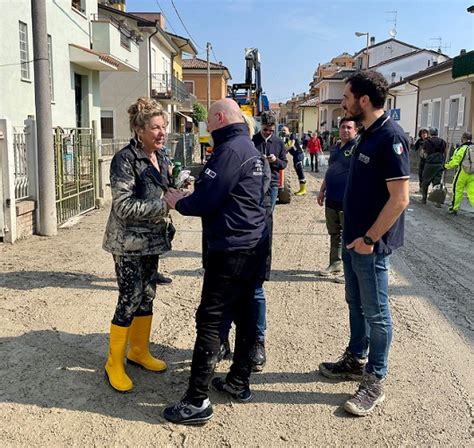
x=199, y=113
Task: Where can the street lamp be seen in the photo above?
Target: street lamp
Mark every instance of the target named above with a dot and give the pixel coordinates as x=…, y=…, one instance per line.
x=359, y=34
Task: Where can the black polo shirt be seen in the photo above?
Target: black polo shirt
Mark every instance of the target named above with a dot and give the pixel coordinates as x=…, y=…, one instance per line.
x=381, y=156
x=275, y=146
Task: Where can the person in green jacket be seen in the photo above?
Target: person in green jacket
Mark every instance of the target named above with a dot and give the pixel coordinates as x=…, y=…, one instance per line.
x=463, y=160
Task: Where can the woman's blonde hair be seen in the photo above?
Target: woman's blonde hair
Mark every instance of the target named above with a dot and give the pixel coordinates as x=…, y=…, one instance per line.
x=250, y=122
x=141, y=111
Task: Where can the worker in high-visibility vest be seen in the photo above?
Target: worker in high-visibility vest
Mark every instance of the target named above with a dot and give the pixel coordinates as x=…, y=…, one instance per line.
x=463, y=160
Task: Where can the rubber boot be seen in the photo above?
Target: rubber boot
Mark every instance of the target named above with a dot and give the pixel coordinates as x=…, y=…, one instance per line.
x=302, y=190
x=114, y=367
x=139, y=352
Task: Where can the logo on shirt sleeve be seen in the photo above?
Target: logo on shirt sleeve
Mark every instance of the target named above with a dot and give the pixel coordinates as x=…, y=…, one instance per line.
x=210, y=173
x=398, y=148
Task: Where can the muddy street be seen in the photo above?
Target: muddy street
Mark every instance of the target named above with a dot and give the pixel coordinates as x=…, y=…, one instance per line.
x=57, y=296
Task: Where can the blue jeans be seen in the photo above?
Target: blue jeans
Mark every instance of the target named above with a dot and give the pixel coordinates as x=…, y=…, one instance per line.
x=369, y=313
x=274, y=196
x=259, y=309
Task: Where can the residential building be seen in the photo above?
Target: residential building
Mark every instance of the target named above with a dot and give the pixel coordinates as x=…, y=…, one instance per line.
x=196, y=79
x=343, y=61
x=159, y=77
x=308, y=115
x=80, y=47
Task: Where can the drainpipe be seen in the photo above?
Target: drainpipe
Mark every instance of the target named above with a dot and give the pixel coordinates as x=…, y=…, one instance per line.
x=157, y=28
x=417, y=103
x=394, y=99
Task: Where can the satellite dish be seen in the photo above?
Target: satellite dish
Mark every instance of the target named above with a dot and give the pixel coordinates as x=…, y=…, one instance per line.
x=392, y=32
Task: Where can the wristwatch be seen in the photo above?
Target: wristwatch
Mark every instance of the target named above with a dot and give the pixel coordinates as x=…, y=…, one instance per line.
x=369, y=241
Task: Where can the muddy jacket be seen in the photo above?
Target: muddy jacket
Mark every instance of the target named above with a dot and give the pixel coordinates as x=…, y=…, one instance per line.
x=139, y=223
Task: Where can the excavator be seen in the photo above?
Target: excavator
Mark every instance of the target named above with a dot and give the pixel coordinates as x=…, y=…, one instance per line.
x=253, y=102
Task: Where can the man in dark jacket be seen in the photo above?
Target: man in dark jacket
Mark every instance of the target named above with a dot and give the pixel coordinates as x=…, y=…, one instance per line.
x=229, y=197
x=435, y=149
x=273, y=148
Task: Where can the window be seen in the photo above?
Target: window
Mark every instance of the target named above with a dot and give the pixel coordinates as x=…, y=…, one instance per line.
x=107, y=123
x=425, y=106
x=436, y=113
x=24, y=54
x=78, y=4
x=189, y=85
x=454, y=111
x=50, y=58
x=124, y=40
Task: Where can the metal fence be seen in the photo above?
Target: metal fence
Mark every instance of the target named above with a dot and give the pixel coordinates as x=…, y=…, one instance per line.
x=22, y=182
x=110, y=146
x=76, y=171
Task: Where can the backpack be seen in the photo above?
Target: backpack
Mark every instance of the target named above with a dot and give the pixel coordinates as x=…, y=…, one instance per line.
x=468, y=159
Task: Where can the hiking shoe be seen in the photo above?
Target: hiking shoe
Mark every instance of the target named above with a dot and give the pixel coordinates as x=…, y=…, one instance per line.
x=242, y=394
x=224, y=351
x=333, y=269
x=185, y=413
x=369, y=395
x=452, y=211
x=258, y=356
x=348, y=367
x=339, y=279
x=160, y=279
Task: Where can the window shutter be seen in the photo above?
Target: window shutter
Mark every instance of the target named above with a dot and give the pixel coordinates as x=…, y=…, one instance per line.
x=429, y=121
x=460, y=121
x=446, y=113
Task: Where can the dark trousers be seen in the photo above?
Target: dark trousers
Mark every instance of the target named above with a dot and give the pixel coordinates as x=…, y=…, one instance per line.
x=334, y=224
x=229, y=284
x=421, y=167
x=136, y=287
x=432, y=173
x=314, y=162
x=298, y=164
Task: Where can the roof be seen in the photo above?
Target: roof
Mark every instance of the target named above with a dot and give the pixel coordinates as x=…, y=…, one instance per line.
x=132, y=15
x=430, y=70
x=201, y=64
x=386, y=41
x=183, y=43
x=331, y=101
x=405, y=55
x=312, y=102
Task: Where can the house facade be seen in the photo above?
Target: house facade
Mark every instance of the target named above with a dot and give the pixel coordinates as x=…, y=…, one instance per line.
x=159, y=75
x=80, y=47
x=195, y=79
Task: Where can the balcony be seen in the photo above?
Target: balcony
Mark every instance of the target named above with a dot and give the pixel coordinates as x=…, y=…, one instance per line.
x=167, y=87
x=114, y=39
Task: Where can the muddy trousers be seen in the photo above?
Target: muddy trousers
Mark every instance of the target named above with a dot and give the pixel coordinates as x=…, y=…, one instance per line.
x=421, y=167
x=229, y=284
x=136, y=287
x=431, y=175
x=462, y=181
x=334, y=224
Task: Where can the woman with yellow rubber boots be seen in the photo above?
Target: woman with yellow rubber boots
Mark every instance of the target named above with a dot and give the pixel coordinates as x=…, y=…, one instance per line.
x=138, y=231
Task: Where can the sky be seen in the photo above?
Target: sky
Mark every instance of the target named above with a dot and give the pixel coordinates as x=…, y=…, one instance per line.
x=294, y=36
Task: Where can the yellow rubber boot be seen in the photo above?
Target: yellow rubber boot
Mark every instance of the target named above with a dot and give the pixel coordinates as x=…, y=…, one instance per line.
x=139, y=352
x=302, y=190
x=114, y=367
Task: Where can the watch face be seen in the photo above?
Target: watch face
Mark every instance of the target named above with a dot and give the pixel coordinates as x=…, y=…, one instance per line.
x=368, y=240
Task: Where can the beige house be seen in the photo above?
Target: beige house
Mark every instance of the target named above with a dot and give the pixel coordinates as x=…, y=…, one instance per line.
x=308, y=115
x=195, y=79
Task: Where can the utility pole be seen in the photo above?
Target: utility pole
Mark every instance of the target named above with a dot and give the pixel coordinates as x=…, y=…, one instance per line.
x=208, y=48
x=44, y=124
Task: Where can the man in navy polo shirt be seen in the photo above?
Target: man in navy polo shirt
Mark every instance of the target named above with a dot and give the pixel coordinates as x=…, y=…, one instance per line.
x=229, y=197
x=332, y=192
x=376, y=196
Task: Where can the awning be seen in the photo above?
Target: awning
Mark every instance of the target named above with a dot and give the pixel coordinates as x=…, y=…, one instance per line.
x=91, y=59
x=186, y=117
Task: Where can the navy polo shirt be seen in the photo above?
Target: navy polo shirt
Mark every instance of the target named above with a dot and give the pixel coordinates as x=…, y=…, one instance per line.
x=381, y=156
x=337, y=172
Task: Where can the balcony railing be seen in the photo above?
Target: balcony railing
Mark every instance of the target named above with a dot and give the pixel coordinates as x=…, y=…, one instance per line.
x=168, y=87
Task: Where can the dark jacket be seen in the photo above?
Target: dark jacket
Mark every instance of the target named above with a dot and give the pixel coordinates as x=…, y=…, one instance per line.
x=434, y=145
x=229, y=192
x=138, y=223
x=275, y=146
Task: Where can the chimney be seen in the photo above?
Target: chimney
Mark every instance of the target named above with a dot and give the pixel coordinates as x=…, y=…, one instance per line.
x=372, y=40
x=161, y=21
